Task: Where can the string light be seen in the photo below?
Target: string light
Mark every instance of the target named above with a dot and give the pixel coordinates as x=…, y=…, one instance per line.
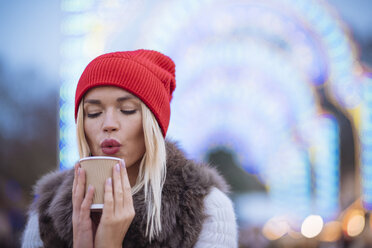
x=366, y=140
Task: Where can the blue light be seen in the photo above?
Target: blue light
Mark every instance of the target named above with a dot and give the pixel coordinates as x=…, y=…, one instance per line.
x=326, y=167
x=76, y=26
x=366, y=144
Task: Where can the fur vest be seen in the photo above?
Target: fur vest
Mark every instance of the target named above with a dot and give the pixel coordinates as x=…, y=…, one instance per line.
x=182, y=211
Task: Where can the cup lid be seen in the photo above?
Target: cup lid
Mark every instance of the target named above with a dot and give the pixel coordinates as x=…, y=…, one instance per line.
x=99, y=157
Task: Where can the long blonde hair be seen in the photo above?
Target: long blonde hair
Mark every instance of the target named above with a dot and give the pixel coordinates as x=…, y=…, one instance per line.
x=152, y=169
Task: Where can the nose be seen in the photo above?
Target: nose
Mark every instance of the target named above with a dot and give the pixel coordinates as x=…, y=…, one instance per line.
x=110, y=123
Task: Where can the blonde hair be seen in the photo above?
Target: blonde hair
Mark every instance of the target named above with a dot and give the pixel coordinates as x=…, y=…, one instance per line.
x=152, y=169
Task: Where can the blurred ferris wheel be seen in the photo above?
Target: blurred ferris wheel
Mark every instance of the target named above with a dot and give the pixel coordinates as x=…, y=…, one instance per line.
x=247, y=75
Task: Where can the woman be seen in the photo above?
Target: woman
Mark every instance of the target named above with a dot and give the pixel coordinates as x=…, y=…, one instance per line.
x=156, y=197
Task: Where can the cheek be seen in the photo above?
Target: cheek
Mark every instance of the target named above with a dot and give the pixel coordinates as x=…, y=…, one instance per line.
x=139, y=137
x=141, y=141
x=89, y=130
x=140, y=132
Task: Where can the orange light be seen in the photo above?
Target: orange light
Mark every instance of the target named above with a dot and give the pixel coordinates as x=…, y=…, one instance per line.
x=275, y=228
x=353, y=223
x=331, y=232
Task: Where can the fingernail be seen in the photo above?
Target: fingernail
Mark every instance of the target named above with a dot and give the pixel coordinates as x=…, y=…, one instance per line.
x=79, y=171
x=117, y=167
x=90, y=187
x=122, y=163
x=109, y=181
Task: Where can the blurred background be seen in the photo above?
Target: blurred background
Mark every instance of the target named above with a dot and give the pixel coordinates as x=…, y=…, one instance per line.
x=277, y=94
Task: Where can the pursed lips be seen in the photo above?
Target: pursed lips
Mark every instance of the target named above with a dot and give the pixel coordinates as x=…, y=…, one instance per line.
x=110, y=146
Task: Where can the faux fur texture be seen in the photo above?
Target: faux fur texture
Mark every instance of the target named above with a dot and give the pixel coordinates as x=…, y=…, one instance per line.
x=182, y=212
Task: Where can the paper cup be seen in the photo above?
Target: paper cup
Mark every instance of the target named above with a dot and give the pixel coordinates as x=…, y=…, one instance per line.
x=98, y=170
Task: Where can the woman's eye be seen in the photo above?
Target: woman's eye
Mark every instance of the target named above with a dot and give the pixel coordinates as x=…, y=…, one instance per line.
x=94, y=115
x=128, y=112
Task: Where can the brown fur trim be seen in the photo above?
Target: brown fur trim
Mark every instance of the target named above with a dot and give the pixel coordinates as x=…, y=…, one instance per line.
x=182, y=212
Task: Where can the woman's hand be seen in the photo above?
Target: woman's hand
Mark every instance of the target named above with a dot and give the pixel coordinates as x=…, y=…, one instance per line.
x=81, y=222
x=118, y=211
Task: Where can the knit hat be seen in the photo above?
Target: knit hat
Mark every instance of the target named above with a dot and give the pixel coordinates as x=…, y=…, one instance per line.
x=147, y=74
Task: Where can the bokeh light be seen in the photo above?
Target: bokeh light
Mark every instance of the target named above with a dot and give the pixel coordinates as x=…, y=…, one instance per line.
x=275, y=228
x=353, y=222
x=312, y=226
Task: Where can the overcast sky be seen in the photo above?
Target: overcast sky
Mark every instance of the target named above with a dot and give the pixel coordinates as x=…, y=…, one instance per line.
x=30, y=35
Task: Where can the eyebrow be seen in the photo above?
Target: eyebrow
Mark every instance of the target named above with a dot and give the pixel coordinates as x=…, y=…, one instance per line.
x=122, y=99
x=92, y=101
x=98, y=102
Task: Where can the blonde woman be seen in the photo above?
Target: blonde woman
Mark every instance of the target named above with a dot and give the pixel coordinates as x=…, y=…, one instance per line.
x=156, y=197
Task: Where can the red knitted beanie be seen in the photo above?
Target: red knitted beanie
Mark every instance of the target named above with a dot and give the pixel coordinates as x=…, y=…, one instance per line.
x=147, y=74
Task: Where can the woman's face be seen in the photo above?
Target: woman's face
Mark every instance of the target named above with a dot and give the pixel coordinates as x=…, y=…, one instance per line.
x=113, y=124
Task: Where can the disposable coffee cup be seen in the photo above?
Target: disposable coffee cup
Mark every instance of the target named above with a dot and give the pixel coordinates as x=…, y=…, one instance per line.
x=98, y=170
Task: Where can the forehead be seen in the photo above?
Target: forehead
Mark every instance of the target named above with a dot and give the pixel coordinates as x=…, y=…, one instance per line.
x=107, y=91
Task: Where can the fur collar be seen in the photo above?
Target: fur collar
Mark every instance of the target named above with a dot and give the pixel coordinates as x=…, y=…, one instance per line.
x=186, y=185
